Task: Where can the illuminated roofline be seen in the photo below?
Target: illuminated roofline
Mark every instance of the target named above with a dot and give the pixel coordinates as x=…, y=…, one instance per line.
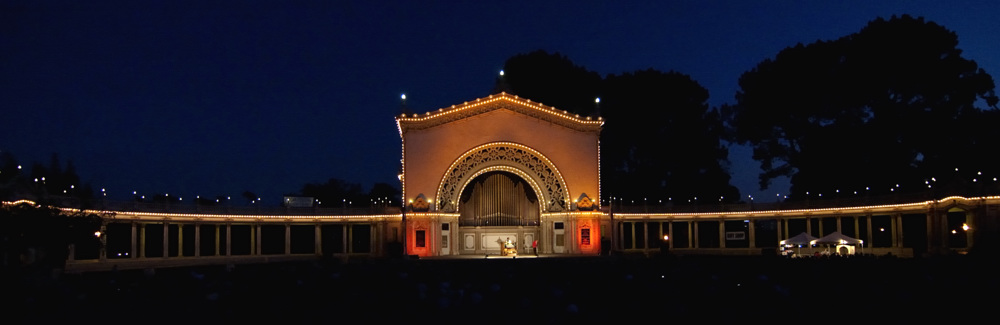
x=705, y=215
x=444, y=115
x=796, y=212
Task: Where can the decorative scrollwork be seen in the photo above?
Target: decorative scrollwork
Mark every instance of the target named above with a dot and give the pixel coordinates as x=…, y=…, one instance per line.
x=544, y=175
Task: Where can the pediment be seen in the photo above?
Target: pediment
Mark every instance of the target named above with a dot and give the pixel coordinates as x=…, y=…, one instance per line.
x=494, y=102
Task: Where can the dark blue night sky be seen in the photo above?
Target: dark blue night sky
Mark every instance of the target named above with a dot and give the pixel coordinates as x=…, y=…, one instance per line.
x=220, y=97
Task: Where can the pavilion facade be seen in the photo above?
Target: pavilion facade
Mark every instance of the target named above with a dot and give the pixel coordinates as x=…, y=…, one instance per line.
x=501, y=168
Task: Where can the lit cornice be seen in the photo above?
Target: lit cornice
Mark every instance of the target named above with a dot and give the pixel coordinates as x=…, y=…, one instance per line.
x=406, y=122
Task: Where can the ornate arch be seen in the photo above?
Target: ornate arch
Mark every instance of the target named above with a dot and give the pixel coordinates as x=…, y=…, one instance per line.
x=519, y=159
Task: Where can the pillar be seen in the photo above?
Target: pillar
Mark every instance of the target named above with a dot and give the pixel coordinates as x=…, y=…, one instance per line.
x=288, y=239
x=375, y=235
x=318, y=242
x=782, y=228
x=868, y=220
x=255, y=238
x=857, y=233
x=217, y=240
x=722, y=233
x=694, y=234
x=346, y=231
x=134, y=248
x=229, y=239
x=180, y=240
x=142, y=240
x=166, y=239
x=197, y=239
x=897, y=229
x=753, y=234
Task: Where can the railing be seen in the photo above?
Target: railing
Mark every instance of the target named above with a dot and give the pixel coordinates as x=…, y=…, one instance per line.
x=163, y=207
x=192, y=208
x=486, y=223
x=772, y=206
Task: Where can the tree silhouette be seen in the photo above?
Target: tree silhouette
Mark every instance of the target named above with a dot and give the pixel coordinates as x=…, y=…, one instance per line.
x=661, y=140
x=553, y=80
x=881, y=110
x=384, y=194
x=250, y=196
x=10, y=175
x=335, y=193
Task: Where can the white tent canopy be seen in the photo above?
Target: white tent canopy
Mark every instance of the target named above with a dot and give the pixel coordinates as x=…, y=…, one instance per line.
x=836, y=238
x=800, y=239
x=842, y=244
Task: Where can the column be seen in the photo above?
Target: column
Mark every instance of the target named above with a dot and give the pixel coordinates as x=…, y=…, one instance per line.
x=180, y=239
x=694, y=234
x=868, y=220
x=103, y=254
x=857, y=233
x=809, y=226
x=197, y=239
x=318, y=242
x=670, y=232
x=142, y=240
x=133, y=252
x=288, y=239
x=897, y=230
x=375, y=236
x=753, y=234
x=255, y=239
x=166, y=239
x=572, y=245
x=229, y=239
x=217, y=239
x=722, y=233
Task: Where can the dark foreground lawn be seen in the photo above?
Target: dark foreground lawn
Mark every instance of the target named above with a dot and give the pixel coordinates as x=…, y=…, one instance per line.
x=540, y=291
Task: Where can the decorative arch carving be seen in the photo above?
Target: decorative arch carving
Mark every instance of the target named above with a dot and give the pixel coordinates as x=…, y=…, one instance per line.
x=519, y=159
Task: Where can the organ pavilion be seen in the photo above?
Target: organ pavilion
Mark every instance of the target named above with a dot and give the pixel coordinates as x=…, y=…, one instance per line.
x=501, y=168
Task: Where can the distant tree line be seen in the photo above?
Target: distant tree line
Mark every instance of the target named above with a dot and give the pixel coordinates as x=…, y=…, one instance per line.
x=336, y=192
x=49, y=184
x=893, y=108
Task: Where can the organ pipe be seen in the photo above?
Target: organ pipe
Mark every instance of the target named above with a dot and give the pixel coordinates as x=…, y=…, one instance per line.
x=499, y=199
